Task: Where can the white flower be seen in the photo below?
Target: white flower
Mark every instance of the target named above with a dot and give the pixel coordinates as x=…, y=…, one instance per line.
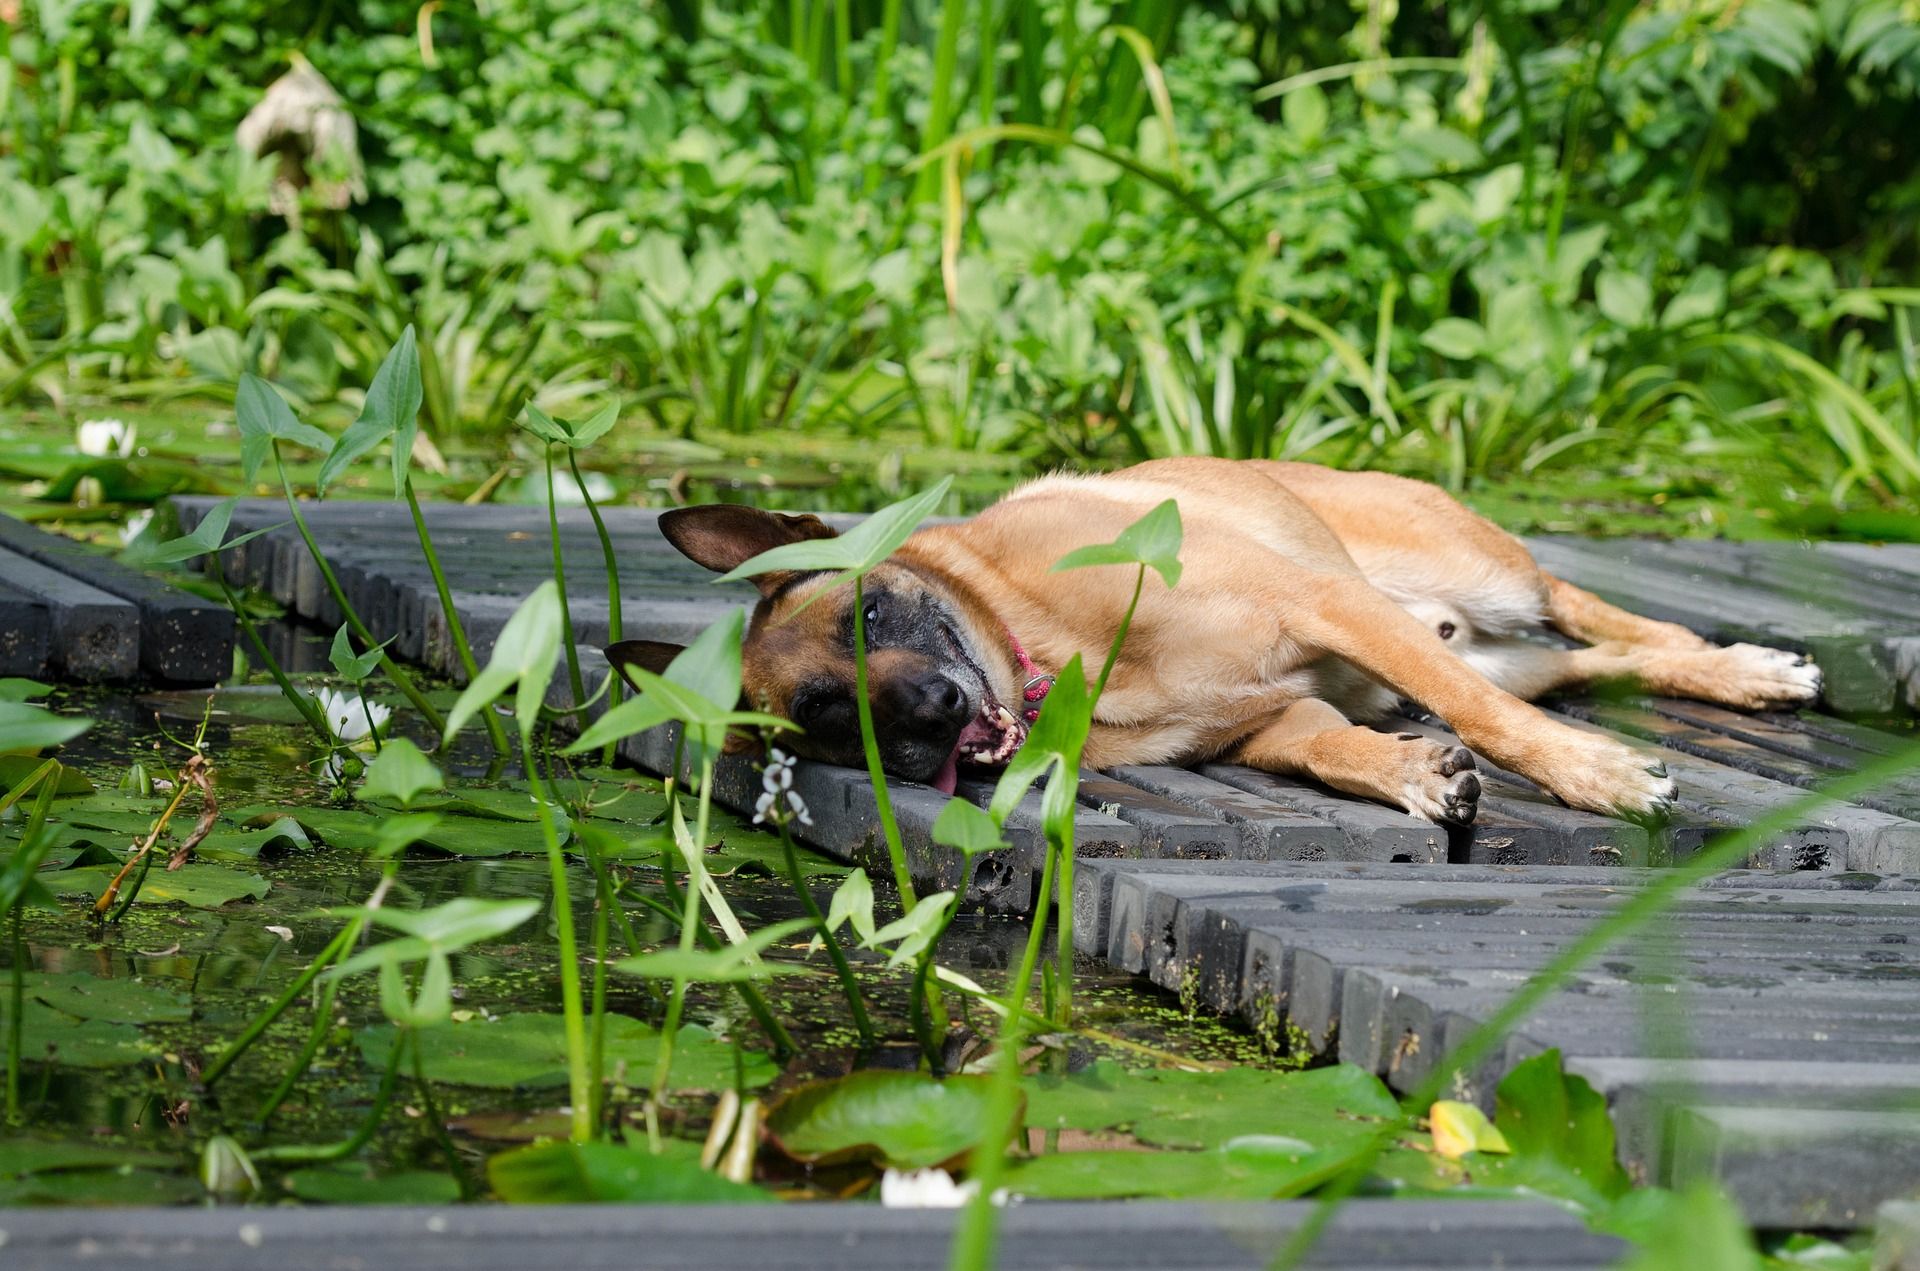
x=102, y=438
x=777, y=793
x=928, y=1189
x=135, y=524
x=347, y=715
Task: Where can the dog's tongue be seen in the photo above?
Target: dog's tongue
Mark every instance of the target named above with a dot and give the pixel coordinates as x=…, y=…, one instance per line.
x=949, y=775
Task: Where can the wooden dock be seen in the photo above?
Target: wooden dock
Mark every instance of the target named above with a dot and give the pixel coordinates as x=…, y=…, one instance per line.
x=1768, y=1034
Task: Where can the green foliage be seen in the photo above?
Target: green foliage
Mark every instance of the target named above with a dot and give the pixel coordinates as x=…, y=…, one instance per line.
x=586, y=1173
x=1153, y=540
x=523, y=655
x=528, y=1050
x=905, y=1120
x=27, y=727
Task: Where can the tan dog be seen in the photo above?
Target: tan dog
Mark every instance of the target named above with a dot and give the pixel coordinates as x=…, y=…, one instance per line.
x=1310, y=598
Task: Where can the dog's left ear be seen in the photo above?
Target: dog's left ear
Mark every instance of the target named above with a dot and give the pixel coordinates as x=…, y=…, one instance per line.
x=648, y=655
x=723, y=536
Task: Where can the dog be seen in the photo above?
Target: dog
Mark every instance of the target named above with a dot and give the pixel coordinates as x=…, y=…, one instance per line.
x=1311, y=601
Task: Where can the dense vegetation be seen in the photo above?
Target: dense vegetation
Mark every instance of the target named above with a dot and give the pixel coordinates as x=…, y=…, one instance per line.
x=1465, y=241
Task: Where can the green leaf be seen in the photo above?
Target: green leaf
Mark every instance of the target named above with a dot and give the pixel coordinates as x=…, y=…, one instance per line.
x=208, y=537
x=27, y=727
x=853, y=902
x=17, y=768
x=355, y=1183
x=544, y=426
x=1153, y=540
x=15, y=689
x=529, y=1051
x=523, y=654
x=729, y=964
x=1624, y=297
x=460, y=922
x=905, y=1120
x=966, y=827
x=400, y=772
x=1304, y=112
x=1702, y=296
x=350, y=666
x=1252, y=1167
x=851, y=554
x=584, y=1173
x=595, y=426
x=1561, y=1137
x=132, y=1000
x=36, y=1156
x=1323, y=1107
x=391, y=411
x=916, y=929
x=264, y=418
x=398, y=833
x=71, y=1042
x=1455, y=338
x=1700, y=1231
x=1459, y=1128
x=196, y=884
x=1058, y=737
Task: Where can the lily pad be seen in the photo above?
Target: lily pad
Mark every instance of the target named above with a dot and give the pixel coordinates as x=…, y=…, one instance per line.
x=354, y=1184
x=574, y=1173
x=36, y=1156
x=529, y=1050
x=906, y=1120
x=69, y=1042
x=123, y=1001
x=195, y=885
x=352, y=830
x=16, y=768
x=1167, y=1108
x=101, y=1188
x=1251, y=1168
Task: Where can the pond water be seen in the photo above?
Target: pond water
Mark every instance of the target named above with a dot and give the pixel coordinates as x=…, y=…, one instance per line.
x=124, y=1018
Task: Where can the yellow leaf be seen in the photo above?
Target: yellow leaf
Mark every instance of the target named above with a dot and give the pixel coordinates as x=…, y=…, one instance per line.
x=1459, y=1128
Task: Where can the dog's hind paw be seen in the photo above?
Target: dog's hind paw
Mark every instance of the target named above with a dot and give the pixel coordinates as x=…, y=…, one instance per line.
x=1441, y=784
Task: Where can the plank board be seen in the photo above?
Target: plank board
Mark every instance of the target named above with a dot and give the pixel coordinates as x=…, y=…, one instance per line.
x=1757, y=992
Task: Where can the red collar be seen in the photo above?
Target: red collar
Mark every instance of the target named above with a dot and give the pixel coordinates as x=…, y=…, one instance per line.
x=1034, y=691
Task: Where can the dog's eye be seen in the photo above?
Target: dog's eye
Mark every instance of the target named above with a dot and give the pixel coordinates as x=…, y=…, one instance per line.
x=872, y=614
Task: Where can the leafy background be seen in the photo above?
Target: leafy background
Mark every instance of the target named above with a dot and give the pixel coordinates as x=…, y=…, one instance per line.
x=1665, y=249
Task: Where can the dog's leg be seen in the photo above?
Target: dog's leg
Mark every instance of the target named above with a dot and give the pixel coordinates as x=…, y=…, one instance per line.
x=1311, y=738
x=1351, y=620
x=1744, y=676
x=1587, y=618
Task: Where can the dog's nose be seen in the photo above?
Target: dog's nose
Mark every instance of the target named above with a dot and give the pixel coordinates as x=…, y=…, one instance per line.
x=931, y=701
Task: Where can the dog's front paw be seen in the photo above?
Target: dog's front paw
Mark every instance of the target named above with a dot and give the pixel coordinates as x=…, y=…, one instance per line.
x=1439, y=782
x=1755, y=677
x=1599, y=774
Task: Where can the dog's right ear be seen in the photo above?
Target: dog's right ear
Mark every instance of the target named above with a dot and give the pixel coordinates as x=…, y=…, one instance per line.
x=648, y=655
x=723, y=536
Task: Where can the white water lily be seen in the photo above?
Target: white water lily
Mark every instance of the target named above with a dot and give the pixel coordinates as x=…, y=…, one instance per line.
x=348, y=716
x=105, y=438
x=928, y=1189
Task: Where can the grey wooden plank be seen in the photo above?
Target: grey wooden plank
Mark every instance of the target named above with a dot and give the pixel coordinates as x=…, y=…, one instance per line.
x=1095, y=834
x=1166, y=828
x=1268, y=830
x=183, y=638
x=1831, y=837
x=1373, y=831
x=26, y=632
x=1845, y=1163
x=1398, y=1234
x=94, y=636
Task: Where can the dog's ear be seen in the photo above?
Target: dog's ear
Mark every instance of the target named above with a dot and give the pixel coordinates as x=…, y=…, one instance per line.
x=648, y=655
x=723, y=536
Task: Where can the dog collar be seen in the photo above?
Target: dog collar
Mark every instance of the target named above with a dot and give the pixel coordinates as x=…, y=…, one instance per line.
x=1039, y=682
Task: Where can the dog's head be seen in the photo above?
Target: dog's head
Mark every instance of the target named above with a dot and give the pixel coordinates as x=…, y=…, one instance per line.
x=943, y=685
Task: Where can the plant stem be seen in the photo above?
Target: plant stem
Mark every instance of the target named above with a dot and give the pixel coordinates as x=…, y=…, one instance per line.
x=615, y=631
x=302, y=702
x=560, y=581
x=456, y=630
x=401, y=680
x=581, y=1127
x=940, y=108
x=689, y=921
x=263, y=1021
x=16, y=1011
x=436, y=1126
x=750, y=995
x=848, y=984
x=361, y=1136
x=869, y=742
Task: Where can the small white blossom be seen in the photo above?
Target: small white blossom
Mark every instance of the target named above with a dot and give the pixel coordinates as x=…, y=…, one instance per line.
x=928, y=1189
x=135, y=524
x=779, y=802
x=105, y=438
x=347, y=715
